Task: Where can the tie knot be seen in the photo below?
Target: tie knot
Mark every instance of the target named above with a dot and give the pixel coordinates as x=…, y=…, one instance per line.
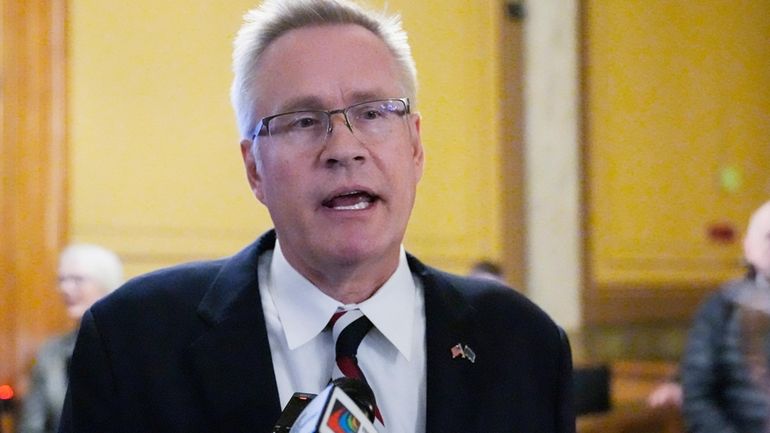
x=348, y=329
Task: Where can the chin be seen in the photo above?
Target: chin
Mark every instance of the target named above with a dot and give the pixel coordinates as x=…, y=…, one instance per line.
x=75, y=313
x=351, y=253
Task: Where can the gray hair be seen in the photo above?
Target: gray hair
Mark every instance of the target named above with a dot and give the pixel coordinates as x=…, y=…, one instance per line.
x=273, y=18
x=102, y=265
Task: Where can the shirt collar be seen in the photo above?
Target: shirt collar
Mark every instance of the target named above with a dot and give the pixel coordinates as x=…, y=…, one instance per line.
x=391, y=308
x=304, y=310
x=762, y=282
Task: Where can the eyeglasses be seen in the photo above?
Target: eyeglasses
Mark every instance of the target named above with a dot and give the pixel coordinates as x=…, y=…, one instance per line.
x=371, y=122
x=73, y=278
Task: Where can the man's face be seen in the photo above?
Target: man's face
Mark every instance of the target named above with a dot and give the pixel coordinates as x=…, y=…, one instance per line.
x=78, y=289
x=757, y=241
x=338, y=202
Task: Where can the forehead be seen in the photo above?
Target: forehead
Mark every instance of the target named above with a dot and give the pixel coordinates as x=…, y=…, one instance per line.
x=74, y=266
x=760, y=222
x=331, y=64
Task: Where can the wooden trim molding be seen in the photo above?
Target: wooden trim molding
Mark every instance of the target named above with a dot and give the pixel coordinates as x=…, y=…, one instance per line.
x=626, y=304
x=33, y=189
x=512, y=155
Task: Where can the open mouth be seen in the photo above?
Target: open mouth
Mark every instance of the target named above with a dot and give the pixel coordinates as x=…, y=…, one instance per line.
x=352, y=200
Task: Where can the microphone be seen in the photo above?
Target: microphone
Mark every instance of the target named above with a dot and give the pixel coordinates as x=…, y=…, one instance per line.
x=346, y=405
x=294, y=407
x=361, y=394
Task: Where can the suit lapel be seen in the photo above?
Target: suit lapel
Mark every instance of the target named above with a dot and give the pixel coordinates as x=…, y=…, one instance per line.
x=450, y=380
x=232, y=358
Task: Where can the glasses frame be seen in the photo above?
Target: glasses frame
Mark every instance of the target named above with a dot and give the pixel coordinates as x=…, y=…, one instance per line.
x=264, y=123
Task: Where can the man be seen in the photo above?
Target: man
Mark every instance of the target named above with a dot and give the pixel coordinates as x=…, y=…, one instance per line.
x=725, y=367
x=324, y=92
x=86, y=274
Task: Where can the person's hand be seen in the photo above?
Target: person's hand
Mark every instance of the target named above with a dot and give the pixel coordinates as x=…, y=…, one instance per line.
x=667, y=394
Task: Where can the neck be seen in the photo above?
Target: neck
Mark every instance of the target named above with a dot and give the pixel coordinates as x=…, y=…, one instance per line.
x=349, y=283
x=349, y=289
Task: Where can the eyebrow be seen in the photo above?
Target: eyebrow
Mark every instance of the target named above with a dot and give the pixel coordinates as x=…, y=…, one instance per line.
x=301, y=103
x=315, y=103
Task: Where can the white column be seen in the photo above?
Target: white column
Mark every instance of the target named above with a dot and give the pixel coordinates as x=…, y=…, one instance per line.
x=552, y=158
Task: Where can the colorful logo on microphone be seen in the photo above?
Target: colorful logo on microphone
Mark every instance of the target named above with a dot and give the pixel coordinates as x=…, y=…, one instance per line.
x=342, y=420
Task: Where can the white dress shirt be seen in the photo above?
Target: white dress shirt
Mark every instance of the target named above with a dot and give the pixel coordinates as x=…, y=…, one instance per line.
x=392, y=355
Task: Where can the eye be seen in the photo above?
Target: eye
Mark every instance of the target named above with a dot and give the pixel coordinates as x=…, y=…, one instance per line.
x=299, y=121
x=304, y=121
x=370, y=111
x=371, y=114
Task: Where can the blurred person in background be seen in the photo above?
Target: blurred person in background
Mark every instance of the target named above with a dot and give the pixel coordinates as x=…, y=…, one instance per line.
x=724, y=372
x=487, y=269
x=667, y=394
x=86, y=273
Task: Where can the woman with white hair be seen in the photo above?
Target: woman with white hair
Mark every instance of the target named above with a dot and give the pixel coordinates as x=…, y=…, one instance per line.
x=86, y=274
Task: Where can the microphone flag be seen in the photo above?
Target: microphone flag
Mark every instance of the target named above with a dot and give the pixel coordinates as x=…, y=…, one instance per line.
x=332, y=411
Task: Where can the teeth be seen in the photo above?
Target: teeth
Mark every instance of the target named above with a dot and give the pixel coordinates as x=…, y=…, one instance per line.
x=358, y=206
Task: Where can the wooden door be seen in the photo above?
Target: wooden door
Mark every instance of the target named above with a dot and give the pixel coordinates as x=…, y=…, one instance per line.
x=512, y=156
x=33, y=178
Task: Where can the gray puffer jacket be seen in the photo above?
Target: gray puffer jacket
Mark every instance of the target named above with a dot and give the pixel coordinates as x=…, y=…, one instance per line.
x=725, y=366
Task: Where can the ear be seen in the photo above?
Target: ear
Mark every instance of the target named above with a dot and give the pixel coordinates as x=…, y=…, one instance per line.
x=250, y=164
x=418, y=152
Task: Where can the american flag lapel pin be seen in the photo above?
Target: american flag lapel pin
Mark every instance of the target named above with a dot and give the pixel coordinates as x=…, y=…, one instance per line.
x=460, y=350
x=470, y=354
x=457, y=351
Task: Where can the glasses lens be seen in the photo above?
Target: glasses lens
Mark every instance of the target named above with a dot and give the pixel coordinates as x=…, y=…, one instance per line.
x=299, y=127
x=377, y=120
x=74, y=279
x=371, y=122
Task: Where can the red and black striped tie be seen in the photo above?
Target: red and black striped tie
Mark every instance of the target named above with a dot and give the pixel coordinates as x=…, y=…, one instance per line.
x=348, y=329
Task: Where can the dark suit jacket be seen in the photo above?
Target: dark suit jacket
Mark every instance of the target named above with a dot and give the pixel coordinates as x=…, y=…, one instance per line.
x=186, y=350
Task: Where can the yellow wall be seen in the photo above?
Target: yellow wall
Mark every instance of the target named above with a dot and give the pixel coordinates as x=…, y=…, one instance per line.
x=678, y=97
x=155, y=164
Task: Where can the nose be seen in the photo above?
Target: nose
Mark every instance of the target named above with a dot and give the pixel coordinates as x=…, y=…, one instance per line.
x=345, y=120
x=342, y=147
x=67, y=282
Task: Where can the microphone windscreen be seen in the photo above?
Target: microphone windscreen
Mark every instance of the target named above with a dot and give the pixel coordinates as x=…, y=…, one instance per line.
x=360, y=392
